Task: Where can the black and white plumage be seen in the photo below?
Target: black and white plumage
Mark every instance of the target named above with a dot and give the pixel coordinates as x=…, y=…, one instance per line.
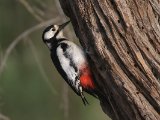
x=69, y=59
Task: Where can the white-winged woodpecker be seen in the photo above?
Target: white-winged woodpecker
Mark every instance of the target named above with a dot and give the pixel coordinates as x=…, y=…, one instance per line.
x=70, y=60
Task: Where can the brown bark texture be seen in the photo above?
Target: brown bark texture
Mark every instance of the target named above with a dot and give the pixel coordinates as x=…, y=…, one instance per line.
x=122, y=40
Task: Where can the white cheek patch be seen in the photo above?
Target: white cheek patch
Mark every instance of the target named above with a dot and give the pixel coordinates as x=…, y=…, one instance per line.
x=49, y=34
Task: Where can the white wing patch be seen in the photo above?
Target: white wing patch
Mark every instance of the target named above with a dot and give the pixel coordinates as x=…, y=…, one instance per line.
x=76, y=56
x=65, y=63
x=76, y=53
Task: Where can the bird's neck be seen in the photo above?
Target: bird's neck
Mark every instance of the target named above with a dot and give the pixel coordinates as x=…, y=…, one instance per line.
x=53, y=45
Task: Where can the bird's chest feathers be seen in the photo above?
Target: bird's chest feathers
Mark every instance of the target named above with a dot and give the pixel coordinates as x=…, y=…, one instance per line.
x=73, y=61
x=70, y=53
x=70, y=57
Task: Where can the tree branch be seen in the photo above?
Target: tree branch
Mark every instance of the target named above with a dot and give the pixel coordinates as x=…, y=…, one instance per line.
x=20, y=38
x=31, y=10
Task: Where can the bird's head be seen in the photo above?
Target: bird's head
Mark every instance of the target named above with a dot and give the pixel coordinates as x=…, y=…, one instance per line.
x=53, y=32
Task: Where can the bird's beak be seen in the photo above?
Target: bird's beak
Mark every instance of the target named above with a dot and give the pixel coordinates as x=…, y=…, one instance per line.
x=63, y=25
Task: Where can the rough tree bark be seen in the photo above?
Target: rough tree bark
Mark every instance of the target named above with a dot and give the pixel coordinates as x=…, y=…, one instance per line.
x=122, y=39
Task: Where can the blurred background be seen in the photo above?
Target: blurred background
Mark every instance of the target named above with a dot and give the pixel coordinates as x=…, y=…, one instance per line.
x=30, y=87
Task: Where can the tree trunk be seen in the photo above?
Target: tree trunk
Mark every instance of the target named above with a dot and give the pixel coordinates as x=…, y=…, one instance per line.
x=122, y=39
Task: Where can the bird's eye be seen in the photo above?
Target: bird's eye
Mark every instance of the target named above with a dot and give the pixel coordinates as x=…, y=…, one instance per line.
x=53, y=29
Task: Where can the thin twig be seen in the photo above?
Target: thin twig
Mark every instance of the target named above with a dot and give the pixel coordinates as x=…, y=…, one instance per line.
x=69, y=31
x=43, y=73
x=41, y=3
x=20, y=37
x=30, y=10
x=39, y=11
x=60, y=10
x=2, y=117
x=65, y=93
x=1, y=53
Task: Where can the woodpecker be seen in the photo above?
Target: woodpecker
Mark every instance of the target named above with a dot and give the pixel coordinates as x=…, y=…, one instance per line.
x=70, y=60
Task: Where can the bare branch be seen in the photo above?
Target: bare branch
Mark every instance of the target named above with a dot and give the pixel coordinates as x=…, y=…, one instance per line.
x=39, y=11
x=2, y=117
x=65, y=92
x=1, y=53
x=60, y=10
x=41, y=3
x=20, y=37
x=69, y=31
x=30, y=10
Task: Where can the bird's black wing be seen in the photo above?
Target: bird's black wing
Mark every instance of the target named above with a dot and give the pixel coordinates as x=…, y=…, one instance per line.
x=62, y=58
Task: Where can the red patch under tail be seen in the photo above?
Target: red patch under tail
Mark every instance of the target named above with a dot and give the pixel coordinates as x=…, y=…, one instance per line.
x=86, y=79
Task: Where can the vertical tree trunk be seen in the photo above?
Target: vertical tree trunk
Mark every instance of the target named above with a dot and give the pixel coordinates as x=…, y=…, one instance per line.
x=122, y=39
